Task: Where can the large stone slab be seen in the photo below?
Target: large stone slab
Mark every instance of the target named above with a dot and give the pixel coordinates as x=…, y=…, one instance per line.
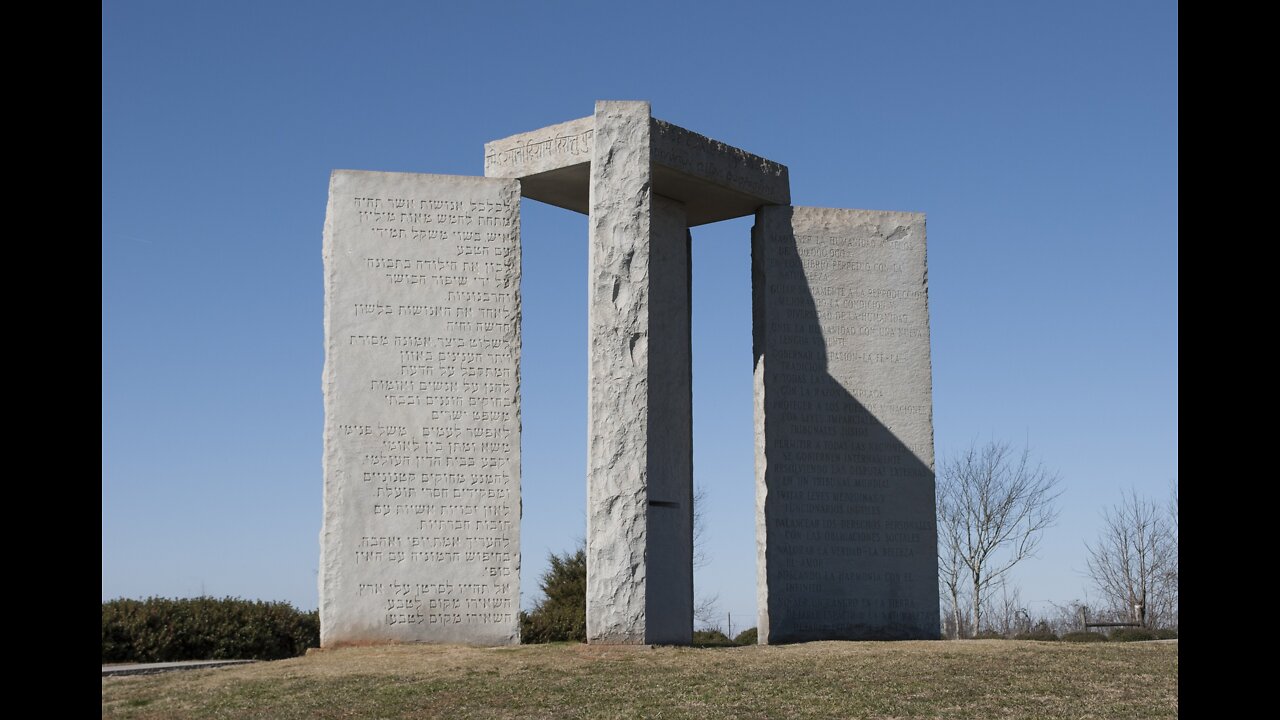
x=552, y=163
x=846, y=529
x=643, y=183
x=421, y=536
x=713, y=180
x=669, y=561
x=640, y=445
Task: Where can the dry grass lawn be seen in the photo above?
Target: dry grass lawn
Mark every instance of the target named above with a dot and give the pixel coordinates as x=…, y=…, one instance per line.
x=984, y=679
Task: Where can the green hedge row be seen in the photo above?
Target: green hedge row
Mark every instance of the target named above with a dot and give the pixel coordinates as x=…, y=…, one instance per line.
x=205, y=628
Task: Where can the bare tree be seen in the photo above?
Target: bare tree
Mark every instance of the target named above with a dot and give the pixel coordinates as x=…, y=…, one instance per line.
x=706, y=612
x=1172, y=618
x=951, y=567
x=1065, y=618
x=1134, y=561
x=1006, y=612
x=700, y=557
x=993, y=507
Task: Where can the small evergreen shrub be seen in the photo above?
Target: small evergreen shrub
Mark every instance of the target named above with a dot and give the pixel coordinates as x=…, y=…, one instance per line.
x=561, y=615
x=711, y=638
x=747, y=637
x=1166, y=634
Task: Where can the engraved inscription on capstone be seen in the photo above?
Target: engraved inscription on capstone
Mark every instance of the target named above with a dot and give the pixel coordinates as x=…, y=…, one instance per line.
x=550, y=148
x=730, y=167
x=845, y=487
x=422, y=417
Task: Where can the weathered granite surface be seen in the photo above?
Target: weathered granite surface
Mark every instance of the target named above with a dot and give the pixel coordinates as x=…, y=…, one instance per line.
x=846, y=534
x=552, y=163
x=644, y=183
x=422, y=321
x=669, y=562
x=550, y=148
x=639, y=462
x=421, y=536
x=618, y=374
x=715, y=181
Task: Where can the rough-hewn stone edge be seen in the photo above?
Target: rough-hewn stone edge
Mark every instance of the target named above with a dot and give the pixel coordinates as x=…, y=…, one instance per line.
x=618, y=337
x=515, y=337
x=328, y=563
x=702, y=157
x=542, y=150
x=758, y=345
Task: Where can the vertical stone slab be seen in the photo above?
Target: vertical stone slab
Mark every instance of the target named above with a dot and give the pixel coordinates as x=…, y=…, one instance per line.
x=638, y=450
x=421, y=536
x=846, y=530
x=669, y=595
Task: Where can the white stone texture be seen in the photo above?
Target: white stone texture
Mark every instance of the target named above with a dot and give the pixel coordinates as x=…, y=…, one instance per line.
x=644, y=182
x=846, y=532
x=617, y=374
x=713, y=180
x=717, y=181
x=669, y=560
x=421, y=535
x=639, y=588
x=543, y=150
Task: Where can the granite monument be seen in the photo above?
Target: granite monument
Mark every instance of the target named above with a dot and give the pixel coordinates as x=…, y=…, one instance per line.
x=422, y=411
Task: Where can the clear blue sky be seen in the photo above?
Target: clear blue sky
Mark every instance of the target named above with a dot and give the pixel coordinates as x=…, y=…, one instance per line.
x=1040, y=138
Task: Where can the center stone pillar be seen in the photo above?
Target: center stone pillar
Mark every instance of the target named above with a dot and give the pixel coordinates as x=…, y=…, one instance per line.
x=644, y=182
x=640, y=406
